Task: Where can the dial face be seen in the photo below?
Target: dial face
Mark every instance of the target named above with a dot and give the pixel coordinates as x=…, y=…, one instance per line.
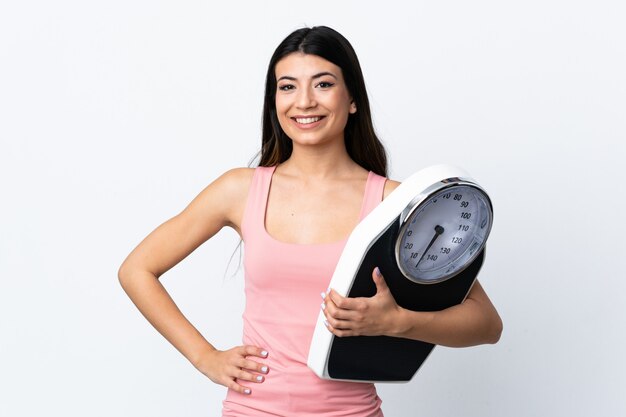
x=444, y=233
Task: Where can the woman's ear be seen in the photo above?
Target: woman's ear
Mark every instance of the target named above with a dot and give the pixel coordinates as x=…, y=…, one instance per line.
x=352, y=107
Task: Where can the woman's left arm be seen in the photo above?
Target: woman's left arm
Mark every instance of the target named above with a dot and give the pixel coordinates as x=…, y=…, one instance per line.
x=473, y=322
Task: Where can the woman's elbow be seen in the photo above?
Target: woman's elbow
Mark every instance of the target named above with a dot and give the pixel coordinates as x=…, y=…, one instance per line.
x=124, y=274
x=495, y=330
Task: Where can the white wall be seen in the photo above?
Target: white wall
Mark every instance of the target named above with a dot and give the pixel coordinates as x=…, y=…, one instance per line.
x=114, y=115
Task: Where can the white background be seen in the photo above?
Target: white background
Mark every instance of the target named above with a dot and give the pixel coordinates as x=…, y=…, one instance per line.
x=114, y=115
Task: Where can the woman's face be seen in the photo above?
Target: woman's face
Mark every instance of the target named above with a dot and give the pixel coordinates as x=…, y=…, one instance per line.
x=312, y=101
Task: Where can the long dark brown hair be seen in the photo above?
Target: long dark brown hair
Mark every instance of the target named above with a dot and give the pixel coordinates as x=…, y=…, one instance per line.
x=361, y=141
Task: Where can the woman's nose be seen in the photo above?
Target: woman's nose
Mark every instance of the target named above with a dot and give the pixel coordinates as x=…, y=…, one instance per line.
x=306, y=98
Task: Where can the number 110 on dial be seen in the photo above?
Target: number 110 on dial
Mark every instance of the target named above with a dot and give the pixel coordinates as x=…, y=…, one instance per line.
x=444, y=232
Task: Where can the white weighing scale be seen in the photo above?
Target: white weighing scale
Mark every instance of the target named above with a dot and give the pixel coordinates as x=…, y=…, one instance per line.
x=427, y=238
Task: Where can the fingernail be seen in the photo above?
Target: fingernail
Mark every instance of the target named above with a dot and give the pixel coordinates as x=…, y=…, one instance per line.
x=378, y=272
x=264, y=353
x=323, y=306
x=247, y=391
x=323, y=294
x=264, y=369
x=326, y=323
x=328, y=290
x=259, y=378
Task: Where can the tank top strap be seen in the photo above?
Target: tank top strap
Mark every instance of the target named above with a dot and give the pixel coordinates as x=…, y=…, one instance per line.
x=254, y=213
x=374, y=190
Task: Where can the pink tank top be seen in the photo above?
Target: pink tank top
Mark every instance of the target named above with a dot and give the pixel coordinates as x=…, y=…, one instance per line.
x=283, y=282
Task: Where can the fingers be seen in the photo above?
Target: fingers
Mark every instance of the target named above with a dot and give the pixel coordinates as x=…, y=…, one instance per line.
x=236, y=366
x=232, y=385
x=250, y=366
x=343, y=315
x=341, y=308
x=347, y=316
x=249, y=350
x=244, y=375
x=340, y=332
x=343, y=303
x=249, y=369
x=341, y=322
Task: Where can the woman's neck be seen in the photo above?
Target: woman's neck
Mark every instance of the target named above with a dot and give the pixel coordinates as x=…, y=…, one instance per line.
x=320, y=162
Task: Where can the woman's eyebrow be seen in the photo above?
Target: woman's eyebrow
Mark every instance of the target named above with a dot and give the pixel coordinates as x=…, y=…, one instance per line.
x=321, y=74
x=318, y=75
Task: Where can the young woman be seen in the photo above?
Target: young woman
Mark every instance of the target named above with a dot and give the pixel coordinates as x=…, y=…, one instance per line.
x=322, y=169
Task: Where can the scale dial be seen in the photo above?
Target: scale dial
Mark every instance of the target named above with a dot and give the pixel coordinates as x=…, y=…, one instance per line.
x=443, y=231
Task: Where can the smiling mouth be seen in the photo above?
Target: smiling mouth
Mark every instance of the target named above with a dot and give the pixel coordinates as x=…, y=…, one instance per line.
x=307, y=120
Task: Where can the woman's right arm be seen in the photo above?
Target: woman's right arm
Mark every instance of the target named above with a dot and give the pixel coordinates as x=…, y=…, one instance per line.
x=220, y=204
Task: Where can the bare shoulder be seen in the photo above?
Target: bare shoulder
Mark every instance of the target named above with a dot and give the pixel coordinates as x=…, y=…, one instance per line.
x=229, y=192
x=236, y=181
x=390, y=185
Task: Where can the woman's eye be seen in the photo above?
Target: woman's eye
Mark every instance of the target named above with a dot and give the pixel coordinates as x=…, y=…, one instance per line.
x=325, y=84
x=285, y=87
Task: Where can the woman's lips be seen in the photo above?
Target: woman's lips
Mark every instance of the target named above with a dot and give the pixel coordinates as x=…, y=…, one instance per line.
x=306, y=122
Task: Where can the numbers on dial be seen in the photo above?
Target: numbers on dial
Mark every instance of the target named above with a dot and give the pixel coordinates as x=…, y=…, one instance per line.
x=443, y=231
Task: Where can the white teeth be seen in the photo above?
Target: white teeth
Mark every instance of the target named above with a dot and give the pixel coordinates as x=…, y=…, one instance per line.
x=307, y=120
